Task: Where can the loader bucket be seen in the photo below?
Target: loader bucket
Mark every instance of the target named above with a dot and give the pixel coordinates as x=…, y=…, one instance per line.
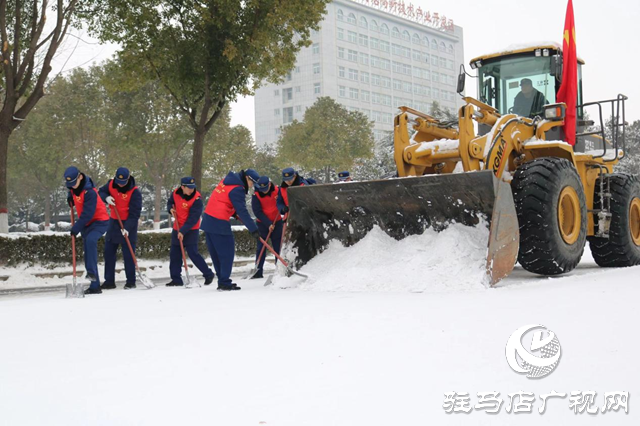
x=403, y=207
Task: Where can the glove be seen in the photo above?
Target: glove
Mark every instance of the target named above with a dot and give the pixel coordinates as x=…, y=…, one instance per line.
x=285, y=210
x=110, y=201
x=272, y=227
x=255, y=234
x=73, y=233
x=125, y=233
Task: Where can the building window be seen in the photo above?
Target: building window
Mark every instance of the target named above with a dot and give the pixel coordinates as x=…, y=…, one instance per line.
x=373, y=26
x=385, y=46
x=425, y=42
x=351, y=19
x=341, y=52
x=276, y=112
x=316, y=88
x=450, y=49
x=363, y=22
x=435, y=77
x=298, y=89
x=298, y=108
x=340, y=34
x=384, y=29
x=316, y=48
x=353, y=74
x=276, y=92
x=297, y=70
x=353, y=93
x=316, y=69
x=364, y=77
x=417, y=56
x=442, y=62
x=434, y=44
x=434, y=61
x=363, y=40
x=415, y=39
x=341, y=72
x=352, y=55
x=450, y=64
x=287, y=115
x=288, y=77
x=287, y=95
x=427, y=58
x=397, y=84
x=340, y=15
x=443, y=47
x=395, y=32
x=278, y=131
x=364, y=95
x=352, y=37
x=364, y=58
x=406, y=36
x=342, y=91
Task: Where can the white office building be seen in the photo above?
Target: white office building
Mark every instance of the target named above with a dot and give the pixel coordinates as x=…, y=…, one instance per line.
x=371, y=59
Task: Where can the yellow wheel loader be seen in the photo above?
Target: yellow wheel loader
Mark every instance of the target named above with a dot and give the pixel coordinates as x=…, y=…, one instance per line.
x=540, y=197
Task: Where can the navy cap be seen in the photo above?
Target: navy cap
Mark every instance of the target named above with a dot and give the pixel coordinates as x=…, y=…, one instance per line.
x=288, y=173
x=343, y=175
x=71, y=176
x=188, y=181
x=122, y=176
x=252, y=174
x=263, y=184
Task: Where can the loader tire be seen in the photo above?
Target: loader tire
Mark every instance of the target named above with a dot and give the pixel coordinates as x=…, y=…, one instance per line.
x=552, y=215
x=622, y=248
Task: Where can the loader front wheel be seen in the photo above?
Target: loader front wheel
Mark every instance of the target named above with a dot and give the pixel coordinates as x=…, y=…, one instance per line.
x=622, y=248
x=552, y=215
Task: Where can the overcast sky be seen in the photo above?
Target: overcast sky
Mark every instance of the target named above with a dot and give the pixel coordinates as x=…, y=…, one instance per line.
x=607, y=36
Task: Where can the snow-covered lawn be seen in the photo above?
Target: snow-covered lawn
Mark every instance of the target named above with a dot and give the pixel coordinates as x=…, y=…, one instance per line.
x=307, y=356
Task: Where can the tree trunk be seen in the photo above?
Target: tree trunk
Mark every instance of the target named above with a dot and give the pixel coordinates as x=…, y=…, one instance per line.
x=198, y=150
x=157, y=204
x=47, y=211
x=4, y=200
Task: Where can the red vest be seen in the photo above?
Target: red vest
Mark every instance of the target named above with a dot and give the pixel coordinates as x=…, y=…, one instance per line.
x=268, y=204
x=101, y=209
x=182, y=208
x=122, y=200
x=219, y=205
x=285, y=196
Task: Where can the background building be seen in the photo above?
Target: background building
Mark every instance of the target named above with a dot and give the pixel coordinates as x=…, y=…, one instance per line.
x=369, y=60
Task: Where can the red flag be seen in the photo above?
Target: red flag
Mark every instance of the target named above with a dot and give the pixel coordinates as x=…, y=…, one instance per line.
x=568, y=92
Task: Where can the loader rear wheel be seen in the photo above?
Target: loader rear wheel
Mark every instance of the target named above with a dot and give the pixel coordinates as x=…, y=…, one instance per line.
x=622, y=248
x=552, y=215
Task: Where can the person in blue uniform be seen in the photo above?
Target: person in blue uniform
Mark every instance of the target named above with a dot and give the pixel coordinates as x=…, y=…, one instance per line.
x=345, y=177
x=121, y=194
x=186, y=203
x=227, y=200
x=264, y=206
x=92, y=221
x=289, y=178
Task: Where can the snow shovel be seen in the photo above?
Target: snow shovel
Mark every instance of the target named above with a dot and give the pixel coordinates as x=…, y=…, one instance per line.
x=74, y=290
x=191, y=281
x=284, y=263
x=141, y=277
x=255, y=267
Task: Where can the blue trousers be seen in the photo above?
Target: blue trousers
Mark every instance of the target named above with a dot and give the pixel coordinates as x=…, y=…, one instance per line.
x=90, y=236
x=276, y=238
x=176, y=263
x=110, y=256
x=222, y=251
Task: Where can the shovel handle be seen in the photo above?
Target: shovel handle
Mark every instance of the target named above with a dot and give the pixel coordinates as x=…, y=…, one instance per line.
x=73, y=245
x=184, y=256
x=126, y=237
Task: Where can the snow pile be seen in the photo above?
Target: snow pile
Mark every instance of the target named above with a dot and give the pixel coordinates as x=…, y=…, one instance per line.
x=449, y=261
x=440, y=145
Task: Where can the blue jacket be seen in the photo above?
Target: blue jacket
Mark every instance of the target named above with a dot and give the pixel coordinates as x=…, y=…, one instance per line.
x=135, y=207
x=213, y=225
x=190, y=235
x=299, y=180
x=89, y=206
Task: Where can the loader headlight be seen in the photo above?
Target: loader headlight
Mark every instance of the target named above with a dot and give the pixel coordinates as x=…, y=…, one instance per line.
x=554, y=112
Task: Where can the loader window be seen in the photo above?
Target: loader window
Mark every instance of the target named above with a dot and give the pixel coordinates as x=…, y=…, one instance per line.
x=500, y=81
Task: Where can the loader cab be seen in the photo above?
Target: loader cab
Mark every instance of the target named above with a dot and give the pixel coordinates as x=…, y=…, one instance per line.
x=500, y=75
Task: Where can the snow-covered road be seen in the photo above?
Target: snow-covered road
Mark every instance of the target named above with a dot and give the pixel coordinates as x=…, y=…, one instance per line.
x=298, y=357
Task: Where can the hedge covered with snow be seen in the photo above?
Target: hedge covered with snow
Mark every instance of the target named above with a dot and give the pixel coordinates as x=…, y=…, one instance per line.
x=51, y=249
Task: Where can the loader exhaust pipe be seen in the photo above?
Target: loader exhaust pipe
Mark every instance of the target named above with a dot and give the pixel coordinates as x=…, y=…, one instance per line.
x=403, y=207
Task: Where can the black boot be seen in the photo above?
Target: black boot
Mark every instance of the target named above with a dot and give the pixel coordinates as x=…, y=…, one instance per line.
x=174, y=284
x=209, y=280
x=230, y=287
x=93, y=291
x=257, y=275
x=108, y=285
x=129, y=286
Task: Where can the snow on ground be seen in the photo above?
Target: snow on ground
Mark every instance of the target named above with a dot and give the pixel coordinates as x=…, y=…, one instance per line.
x=270, y=356
x=428, y=262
